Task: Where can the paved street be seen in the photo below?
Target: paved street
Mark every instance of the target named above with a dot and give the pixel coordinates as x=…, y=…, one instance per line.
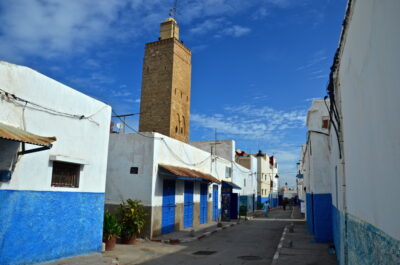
x=251, y=242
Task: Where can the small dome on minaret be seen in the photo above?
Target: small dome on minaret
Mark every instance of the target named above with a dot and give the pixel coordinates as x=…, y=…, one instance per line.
x=169, y=29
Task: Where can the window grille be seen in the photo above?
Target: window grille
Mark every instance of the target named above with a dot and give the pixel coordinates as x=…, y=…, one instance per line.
x=65, y=175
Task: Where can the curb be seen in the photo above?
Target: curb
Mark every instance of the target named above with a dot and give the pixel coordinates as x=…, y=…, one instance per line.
x=278, y=249
x=190, y=239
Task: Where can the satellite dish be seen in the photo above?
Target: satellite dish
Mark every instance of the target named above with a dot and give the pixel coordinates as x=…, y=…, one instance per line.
x=119, y=125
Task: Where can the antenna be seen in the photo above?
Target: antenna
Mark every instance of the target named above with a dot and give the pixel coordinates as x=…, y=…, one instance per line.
x=172, y=11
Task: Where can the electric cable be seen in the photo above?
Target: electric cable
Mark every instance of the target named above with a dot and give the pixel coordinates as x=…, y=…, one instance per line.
x=25, y=104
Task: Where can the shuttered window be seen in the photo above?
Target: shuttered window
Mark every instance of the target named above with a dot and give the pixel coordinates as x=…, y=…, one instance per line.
x=65, y=175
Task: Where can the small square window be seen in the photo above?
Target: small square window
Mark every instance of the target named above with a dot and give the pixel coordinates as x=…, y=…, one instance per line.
x=134, y=170
x=325, y=123
x=65, y=175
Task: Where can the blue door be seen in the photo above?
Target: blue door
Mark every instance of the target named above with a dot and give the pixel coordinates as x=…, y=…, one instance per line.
x=215, y=203
x=234, y=205
x=188, y=205
x=168, y=207
x=203, y=203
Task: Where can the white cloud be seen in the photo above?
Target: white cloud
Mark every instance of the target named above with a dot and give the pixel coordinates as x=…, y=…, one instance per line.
x=261, y=13
x=221, y=26
x=207, y=25
x=247, y=122
x=55, y=27
x=52, y=28
x=249, y=125
x=237, y=31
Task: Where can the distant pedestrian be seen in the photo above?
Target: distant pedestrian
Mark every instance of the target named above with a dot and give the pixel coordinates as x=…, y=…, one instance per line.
x=284, y=203
x=267, y=208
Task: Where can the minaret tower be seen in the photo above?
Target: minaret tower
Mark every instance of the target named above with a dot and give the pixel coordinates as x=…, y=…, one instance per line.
x=166, y=78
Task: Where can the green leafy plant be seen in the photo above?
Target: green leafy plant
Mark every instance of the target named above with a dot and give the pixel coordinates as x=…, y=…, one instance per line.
x=132, y=217
x=111, y=226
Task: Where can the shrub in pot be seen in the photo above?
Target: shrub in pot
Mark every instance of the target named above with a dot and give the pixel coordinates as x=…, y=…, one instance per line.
x=111, y=230
x=132, y=218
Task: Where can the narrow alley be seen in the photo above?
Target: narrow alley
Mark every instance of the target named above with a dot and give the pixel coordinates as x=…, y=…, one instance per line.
x=255, y=241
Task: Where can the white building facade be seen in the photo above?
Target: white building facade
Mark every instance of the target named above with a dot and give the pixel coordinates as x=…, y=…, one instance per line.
x=315, y=160
x=179, y=184
x=52, y=192
x=365, y=143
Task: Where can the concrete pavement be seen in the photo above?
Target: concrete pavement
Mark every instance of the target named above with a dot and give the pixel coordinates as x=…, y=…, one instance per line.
x=298, y=247
x=251, y=242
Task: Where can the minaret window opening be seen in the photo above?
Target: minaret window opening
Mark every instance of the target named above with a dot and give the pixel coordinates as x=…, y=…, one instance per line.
x=179, y=124
x=184, y=125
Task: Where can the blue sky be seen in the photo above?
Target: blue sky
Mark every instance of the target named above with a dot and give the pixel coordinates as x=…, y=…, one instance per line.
x=256, y=65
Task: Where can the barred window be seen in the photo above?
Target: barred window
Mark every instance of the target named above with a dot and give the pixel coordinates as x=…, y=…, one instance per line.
x=65, y=175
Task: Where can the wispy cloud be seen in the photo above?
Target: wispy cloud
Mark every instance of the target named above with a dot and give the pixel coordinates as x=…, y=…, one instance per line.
x=237, y=31
x=248, y=125
x=221, y=26
x=56, y=28
x=208, y=25
x=315, y=65
x=247, y=122
x=260, y=13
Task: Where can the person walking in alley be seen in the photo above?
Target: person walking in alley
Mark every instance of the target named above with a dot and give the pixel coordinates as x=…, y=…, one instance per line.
x=284, y=203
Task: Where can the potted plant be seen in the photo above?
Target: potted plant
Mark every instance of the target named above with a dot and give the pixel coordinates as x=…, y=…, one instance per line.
x=111, y=230
x=132, y=217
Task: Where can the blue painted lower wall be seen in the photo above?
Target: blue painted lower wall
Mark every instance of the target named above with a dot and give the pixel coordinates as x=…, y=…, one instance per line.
x=309, y=213
x=365, y=243
x=274, y=202
x=322, y=212
x=38, y=226
x=369, y=245
x=337, y=233
x=319, y=216
x=262, y=200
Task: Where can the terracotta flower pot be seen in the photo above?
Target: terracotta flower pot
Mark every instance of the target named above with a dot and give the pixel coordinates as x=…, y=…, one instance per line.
x=129, y=241
x=110, y=243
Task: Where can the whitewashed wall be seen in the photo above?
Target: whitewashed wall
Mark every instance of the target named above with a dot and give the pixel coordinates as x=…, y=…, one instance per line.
x=126, y=151
x=244, y=178
x=177, y=153
x=318, y=149
x=224, y=149
x=80, y=140
x=369, y=88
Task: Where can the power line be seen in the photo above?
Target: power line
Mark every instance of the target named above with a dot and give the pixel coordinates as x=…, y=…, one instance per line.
x=17, y=100
x=160, y=138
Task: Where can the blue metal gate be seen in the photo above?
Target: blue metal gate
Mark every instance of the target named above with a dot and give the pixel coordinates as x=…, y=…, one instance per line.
x=215, y=203
x=203, y=203
x=188, y=205
x=168, y=207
